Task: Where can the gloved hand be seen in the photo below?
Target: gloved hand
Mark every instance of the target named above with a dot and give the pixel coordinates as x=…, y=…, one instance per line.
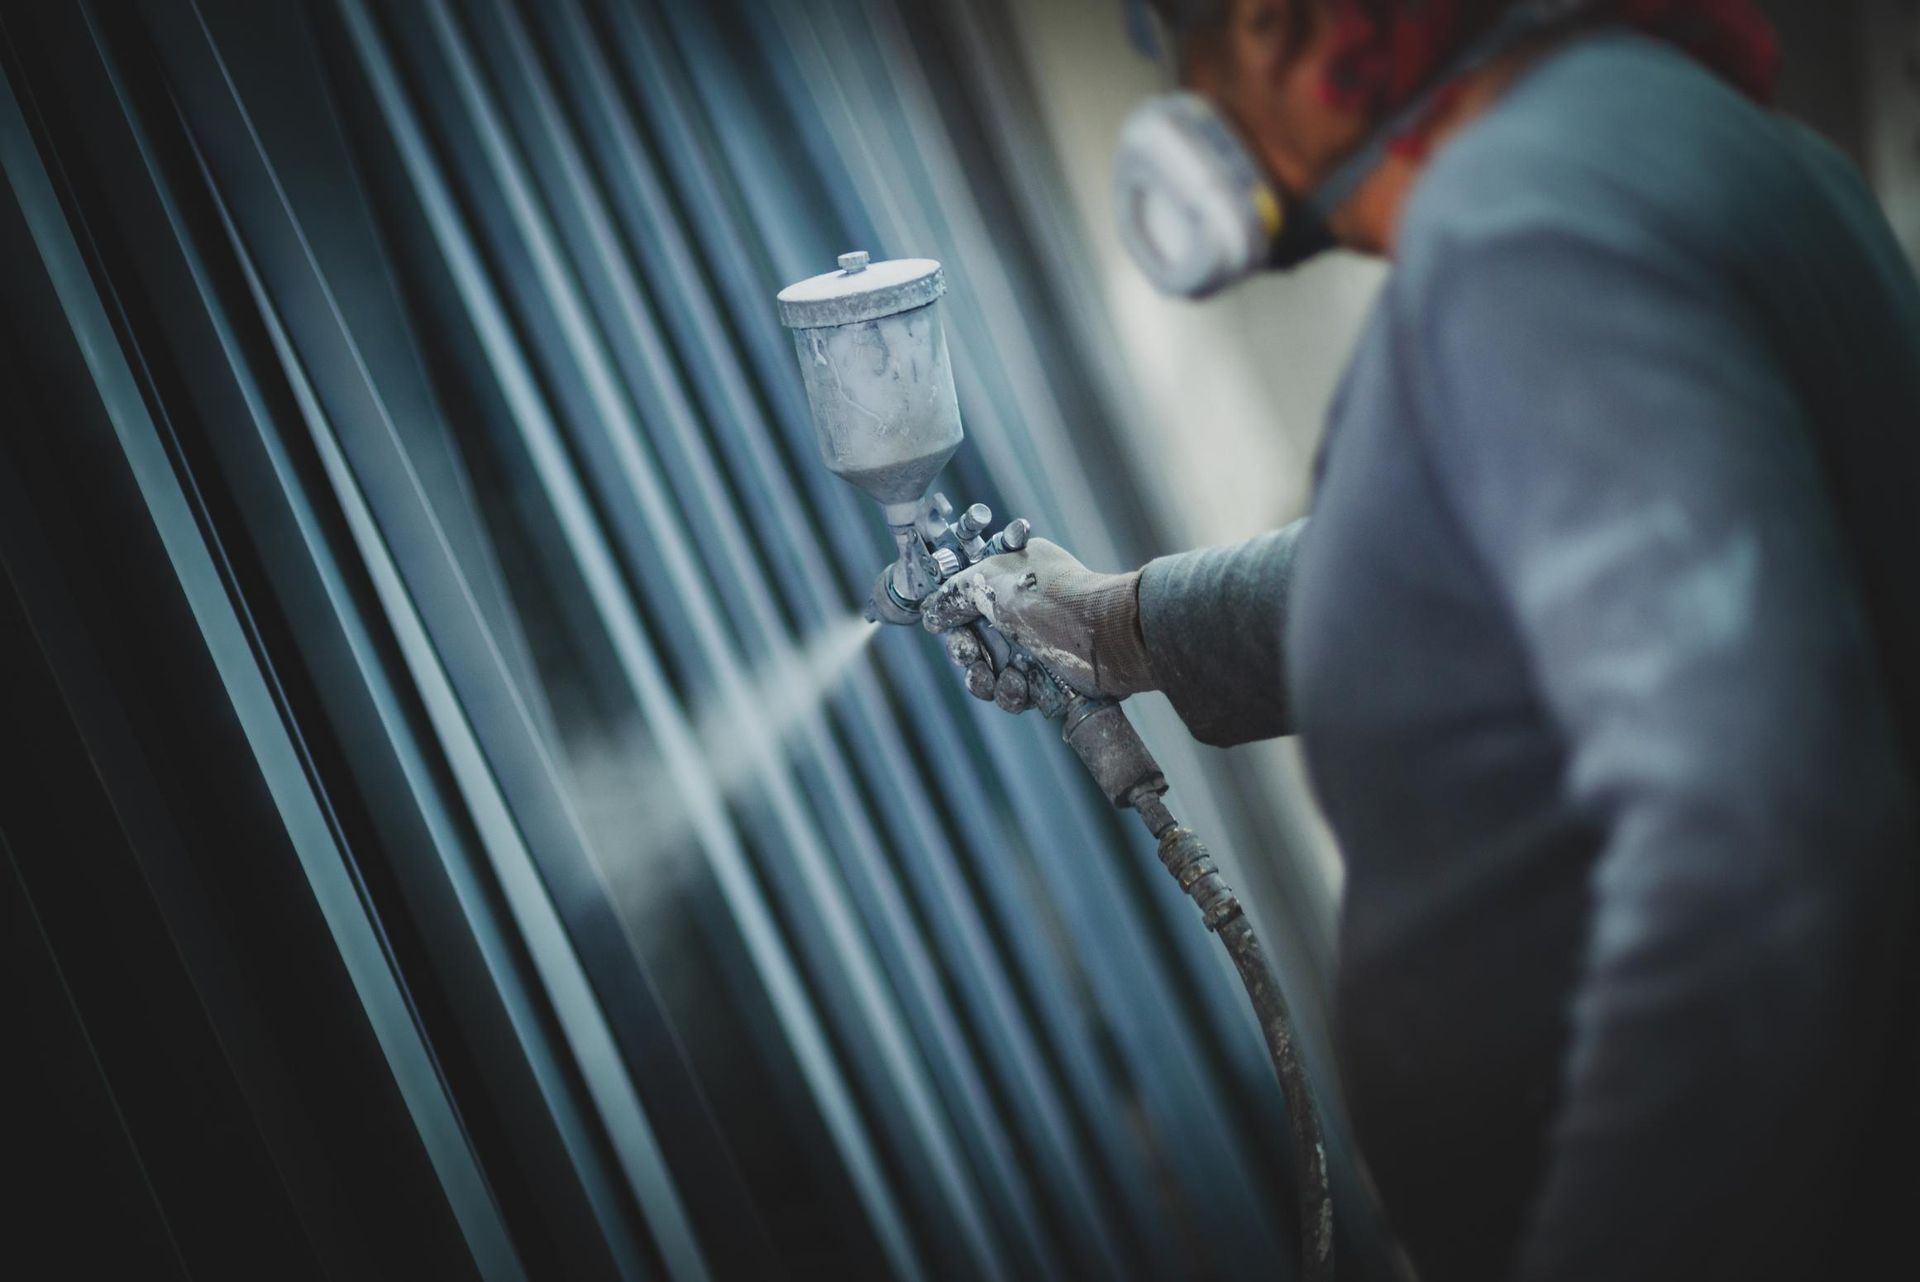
x=1082, y=626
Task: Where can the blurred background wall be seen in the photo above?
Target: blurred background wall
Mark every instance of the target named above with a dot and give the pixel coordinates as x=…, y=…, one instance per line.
x=450, y=824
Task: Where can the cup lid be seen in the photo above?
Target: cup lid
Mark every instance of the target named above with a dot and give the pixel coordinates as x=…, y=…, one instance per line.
x=861, y=291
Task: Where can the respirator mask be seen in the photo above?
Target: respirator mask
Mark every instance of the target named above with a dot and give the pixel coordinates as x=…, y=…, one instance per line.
x=1198, y=213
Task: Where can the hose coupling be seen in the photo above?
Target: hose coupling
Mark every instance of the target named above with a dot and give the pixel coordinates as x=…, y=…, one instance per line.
x=1199, y=877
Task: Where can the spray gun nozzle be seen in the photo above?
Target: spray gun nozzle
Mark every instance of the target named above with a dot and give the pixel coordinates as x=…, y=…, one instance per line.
x=886, y=605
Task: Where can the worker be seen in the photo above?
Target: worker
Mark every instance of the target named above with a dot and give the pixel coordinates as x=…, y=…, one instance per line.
x=1602, y=638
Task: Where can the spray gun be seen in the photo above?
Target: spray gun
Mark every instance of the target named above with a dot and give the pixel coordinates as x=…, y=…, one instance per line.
x=873, y=356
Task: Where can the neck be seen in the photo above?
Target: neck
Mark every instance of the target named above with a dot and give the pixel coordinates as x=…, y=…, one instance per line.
x=1369, y=223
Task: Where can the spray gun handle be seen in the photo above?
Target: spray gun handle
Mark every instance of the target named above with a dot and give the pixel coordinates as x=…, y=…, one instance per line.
x=933, y=547
x=1105, y=741
x=1011, y=677
x=1047, y=694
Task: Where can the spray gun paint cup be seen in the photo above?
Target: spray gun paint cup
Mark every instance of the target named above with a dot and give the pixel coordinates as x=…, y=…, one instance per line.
x=873, y=355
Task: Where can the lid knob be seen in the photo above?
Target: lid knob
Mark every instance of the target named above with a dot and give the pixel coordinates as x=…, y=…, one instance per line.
x=854, y=261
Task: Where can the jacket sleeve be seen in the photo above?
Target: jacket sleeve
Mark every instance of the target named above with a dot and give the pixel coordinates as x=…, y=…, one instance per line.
x=1212, y=622
x=1641, y=485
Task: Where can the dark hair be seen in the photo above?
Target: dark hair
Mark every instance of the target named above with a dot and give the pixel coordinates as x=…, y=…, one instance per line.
x=1180, y=16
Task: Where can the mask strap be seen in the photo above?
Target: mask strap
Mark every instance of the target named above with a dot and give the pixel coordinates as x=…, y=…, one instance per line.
x=1515, y=27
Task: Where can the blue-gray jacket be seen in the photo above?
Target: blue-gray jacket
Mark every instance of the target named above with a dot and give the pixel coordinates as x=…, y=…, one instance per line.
x=1604, y=643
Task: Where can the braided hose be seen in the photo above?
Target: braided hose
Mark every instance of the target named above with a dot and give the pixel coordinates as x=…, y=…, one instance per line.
x=1187, y=859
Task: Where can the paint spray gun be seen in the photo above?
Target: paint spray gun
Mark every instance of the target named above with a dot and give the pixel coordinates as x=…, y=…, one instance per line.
x=873, y=355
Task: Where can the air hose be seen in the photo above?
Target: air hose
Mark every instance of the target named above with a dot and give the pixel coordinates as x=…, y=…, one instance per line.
x=1186, y=857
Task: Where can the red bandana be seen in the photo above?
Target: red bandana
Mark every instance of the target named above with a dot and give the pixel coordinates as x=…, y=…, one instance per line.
x=1385, y=51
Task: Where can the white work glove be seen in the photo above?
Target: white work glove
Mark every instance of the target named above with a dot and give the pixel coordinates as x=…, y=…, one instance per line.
x=1081, y=626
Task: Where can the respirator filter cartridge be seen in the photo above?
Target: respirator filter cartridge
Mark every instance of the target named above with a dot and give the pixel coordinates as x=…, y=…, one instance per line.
x=1195, y=212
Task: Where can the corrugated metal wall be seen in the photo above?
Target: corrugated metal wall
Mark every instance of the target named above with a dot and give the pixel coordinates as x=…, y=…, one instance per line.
x=429, y=347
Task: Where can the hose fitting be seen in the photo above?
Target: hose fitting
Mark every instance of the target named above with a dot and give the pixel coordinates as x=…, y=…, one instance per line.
x=1198, y=876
